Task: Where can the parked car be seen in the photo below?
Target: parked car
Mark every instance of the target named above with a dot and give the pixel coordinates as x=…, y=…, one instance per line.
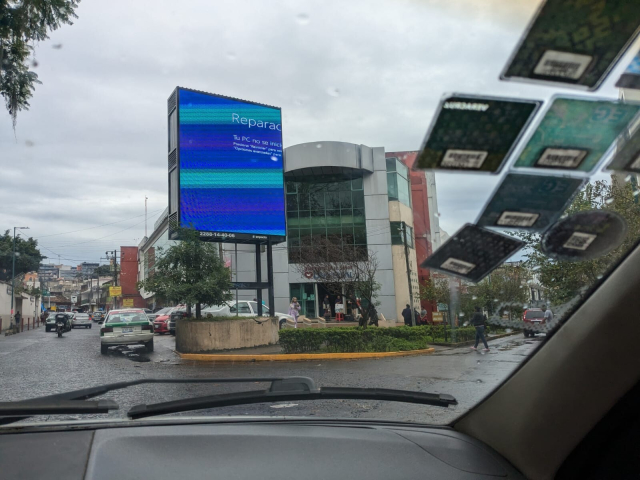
x=533, y=317
x=81, y=320
x=177, y=312
x=244, y=309
x=161, y=320
x=126, y=327
x=158, y=312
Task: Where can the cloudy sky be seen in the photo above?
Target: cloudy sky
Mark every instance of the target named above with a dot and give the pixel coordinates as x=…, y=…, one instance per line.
x=93, y=143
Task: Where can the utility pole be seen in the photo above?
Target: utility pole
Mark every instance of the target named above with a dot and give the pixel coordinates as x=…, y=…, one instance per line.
x=115, y=273
x=403, y=229
x=13, y=270
x=145, y=215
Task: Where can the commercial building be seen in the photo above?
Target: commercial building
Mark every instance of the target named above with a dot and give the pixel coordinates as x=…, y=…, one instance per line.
x=424, y=203
x=87, y=269
x=48, y=271
x=128, y=278
x=333, y=190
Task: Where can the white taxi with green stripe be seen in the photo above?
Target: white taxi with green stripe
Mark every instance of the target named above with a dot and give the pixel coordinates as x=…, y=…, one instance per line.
x=126, y=327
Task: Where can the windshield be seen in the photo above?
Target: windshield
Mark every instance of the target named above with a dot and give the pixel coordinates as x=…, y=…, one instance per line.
x=126, y=317
x=405, y=183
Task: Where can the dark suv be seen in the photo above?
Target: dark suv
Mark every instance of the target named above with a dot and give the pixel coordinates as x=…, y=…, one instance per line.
x=532, y=317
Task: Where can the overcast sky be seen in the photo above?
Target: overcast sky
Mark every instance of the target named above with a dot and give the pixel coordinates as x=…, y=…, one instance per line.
x=93, y=143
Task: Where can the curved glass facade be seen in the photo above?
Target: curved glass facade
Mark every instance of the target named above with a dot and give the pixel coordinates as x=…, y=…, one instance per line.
x=326, y=206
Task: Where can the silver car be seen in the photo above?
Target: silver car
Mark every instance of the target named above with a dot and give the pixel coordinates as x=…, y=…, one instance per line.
x=81, y=320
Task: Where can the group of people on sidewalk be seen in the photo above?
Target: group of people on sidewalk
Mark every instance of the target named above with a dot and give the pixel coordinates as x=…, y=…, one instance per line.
x=355, y=304
x=421, y=317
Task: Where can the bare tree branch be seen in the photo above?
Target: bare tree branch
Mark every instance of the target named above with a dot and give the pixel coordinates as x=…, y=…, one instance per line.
x=339, y=266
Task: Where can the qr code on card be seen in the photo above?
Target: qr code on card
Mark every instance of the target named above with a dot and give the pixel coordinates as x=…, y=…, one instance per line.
x=579, y=241
x=517, y=219
x=457, y=265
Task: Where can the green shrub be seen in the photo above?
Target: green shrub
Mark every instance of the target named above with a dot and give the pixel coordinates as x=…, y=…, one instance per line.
x=353, y=339
x=356, y=339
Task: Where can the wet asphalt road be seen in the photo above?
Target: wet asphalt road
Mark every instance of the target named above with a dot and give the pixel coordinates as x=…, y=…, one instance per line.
x=37, y=363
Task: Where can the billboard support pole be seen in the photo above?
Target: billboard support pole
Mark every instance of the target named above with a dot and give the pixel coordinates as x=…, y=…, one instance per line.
x=259, y=279
x=236, y=262
x=272, y=310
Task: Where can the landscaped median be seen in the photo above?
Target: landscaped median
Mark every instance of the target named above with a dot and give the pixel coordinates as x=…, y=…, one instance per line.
x=342, y=343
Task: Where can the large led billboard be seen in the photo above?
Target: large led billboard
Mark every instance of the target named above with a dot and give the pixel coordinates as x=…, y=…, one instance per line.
x=226, y=179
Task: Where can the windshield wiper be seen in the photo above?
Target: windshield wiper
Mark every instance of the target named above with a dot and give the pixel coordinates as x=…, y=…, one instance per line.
x=56, y=407
x=282, y=388
x=291, y=388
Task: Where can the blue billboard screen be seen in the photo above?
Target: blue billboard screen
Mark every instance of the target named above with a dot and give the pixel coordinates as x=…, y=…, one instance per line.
x=231, y=170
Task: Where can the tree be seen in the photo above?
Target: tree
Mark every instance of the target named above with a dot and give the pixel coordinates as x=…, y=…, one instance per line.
x=190, y=272
x=341, y=267
x=28, y=256
x=104, y=270
x=503, y=289
x=505, y=286
x=435, y=290
x=565, y=281
x=22, y=23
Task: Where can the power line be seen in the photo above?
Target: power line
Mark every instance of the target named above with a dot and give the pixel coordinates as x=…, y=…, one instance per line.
x=100, y=238
x=97, y=226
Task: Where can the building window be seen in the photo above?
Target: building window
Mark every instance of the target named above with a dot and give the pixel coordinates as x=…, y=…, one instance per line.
x=398, y=183
x=173, y=131
x=397, y=237
x=325, y=206
x=173, y=191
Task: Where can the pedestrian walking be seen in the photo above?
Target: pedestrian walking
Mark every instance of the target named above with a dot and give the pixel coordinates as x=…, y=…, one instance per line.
x=294, y=311
x=406, y=314
x=417, y=316
x=548, y=315
x=479, y=321
x=373, y=314
x=326, y=306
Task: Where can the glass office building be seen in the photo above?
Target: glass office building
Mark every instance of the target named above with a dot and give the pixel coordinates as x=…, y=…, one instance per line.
x=348, y=194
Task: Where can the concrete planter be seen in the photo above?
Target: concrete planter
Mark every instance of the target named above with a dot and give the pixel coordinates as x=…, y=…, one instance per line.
x=194, y=336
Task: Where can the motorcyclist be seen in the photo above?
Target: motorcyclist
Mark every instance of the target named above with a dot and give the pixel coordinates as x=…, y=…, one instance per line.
x=65, y=318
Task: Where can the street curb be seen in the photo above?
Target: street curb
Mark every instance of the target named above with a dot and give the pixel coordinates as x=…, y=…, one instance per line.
x=471, y=342
x=298, y=357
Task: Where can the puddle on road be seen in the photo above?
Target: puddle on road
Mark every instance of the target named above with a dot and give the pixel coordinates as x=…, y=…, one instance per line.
x=132, y=353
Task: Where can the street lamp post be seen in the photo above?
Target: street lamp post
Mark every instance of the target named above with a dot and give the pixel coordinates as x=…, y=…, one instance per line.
x=13, y=270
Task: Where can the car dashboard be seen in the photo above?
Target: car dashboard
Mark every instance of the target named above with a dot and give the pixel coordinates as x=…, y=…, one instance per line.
x=249, y=449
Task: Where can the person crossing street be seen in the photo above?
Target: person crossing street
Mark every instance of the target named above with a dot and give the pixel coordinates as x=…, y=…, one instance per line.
x=479, y=321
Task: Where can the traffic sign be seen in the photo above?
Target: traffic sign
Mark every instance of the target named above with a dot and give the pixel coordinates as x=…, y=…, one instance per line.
x=127, y=302
x=115, y=291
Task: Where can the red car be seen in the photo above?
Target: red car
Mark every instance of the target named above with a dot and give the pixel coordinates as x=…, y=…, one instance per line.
x=532, y=316
x=161, y=322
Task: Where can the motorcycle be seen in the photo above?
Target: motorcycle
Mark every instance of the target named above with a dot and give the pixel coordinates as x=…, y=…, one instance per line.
x=62, y=324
